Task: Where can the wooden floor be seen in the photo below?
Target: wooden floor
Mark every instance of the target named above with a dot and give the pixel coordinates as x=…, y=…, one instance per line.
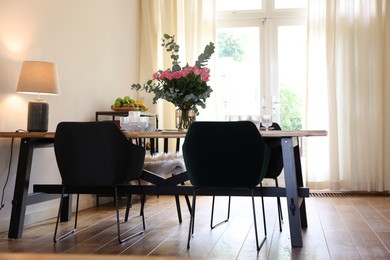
x=339, y=228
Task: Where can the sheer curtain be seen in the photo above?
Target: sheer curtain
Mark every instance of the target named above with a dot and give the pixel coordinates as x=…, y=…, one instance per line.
x=346, y=90
x=193, y=24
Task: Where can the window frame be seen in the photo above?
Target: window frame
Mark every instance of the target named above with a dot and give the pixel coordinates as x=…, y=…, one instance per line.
x=267, y=20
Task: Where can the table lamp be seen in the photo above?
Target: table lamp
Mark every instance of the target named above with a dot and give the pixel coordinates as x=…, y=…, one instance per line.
x=38, y=77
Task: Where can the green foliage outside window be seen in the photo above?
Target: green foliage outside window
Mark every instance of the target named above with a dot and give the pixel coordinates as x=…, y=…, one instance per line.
x=230, y=46
x=290, y=110
x=290, y=103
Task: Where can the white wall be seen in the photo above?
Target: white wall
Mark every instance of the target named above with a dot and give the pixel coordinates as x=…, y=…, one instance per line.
x=94, y=44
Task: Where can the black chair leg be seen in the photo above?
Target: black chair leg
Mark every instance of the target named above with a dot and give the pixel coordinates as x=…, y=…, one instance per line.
x=188, y=203
x=192, y=220
x=187, y=200
x=128, y=206
x=178, y=208
x=143, y=200
x=118, y=222
x=55, y=238
x=258, y=245
x=280, y=214
x=177, y=198
x=212, y=214
x=97, y=200
x=255, y=222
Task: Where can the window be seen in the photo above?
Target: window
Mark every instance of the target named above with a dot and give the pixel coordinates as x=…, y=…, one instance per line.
x=239, y=5
x=261, y=59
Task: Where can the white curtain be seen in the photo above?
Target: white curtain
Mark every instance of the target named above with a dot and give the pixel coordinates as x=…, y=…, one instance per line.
x=347, y=95
x=193, y=24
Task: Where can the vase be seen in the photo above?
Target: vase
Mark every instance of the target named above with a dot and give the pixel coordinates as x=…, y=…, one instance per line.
x=184, y=118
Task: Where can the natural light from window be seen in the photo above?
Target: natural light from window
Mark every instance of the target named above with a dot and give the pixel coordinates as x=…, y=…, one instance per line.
x=238, y=69
x=228, y=5
x=261, y=62
x=288, y=4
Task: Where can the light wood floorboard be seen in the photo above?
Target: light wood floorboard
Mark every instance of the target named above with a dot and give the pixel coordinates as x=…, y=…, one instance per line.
x=339, y=228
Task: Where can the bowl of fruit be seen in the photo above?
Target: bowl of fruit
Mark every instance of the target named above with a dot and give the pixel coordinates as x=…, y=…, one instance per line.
x=128, y=104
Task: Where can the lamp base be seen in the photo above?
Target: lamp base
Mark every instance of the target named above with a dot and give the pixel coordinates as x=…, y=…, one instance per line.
x=38, y=116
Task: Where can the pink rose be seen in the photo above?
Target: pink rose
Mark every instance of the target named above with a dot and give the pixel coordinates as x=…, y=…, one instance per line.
x=177, y=74
x=196, y=70
x=206, y=70
x=204, y=77
x=185, y=72
x=155, y=75
x=165, y=74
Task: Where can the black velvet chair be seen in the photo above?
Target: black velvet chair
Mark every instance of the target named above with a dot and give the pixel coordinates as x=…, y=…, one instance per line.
x=94, y=158
x=275, y=166
x=221, y=157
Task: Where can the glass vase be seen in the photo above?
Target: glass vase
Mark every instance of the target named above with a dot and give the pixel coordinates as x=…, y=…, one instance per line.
x=184, y=118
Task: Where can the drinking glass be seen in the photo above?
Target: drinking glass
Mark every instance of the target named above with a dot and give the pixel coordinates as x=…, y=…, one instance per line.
x=124, y=123
x=266, y=121
x=256, y=119
x=133, y=121
x=143, y=123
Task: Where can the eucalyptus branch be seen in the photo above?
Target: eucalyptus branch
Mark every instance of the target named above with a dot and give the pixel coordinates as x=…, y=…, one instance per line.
x=170, y=45
x=205, y=56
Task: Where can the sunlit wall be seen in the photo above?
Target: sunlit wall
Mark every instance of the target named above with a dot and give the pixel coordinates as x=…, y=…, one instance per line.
x=93, y=43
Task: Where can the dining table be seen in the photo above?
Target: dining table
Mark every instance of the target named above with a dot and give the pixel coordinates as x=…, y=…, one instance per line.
x=294, y=190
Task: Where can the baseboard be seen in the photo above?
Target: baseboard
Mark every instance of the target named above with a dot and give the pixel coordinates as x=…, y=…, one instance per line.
x=349, y=194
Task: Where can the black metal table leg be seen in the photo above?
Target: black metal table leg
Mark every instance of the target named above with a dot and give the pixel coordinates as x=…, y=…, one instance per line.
x=20, y=199
x=298, y=172
x=293, y=207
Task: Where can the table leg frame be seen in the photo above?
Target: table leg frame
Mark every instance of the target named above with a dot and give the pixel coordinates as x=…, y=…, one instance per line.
x=293, y=179
x=20, y=199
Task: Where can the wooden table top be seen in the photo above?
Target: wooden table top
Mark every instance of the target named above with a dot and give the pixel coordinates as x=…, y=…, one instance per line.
x=169, y=134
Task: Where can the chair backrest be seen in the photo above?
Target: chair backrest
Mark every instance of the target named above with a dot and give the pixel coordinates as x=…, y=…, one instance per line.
x=276, y=159
x=96, y=154
x=225, y=154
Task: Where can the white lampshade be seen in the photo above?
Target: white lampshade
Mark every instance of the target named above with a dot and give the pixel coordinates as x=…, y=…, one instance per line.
x=38, y=77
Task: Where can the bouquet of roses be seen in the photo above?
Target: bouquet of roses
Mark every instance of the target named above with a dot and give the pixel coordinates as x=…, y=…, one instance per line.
x=185, y=87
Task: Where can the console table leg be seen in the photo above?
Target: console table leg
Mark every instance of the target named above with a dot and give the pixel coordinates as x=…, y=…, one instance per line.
x=19, y=201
